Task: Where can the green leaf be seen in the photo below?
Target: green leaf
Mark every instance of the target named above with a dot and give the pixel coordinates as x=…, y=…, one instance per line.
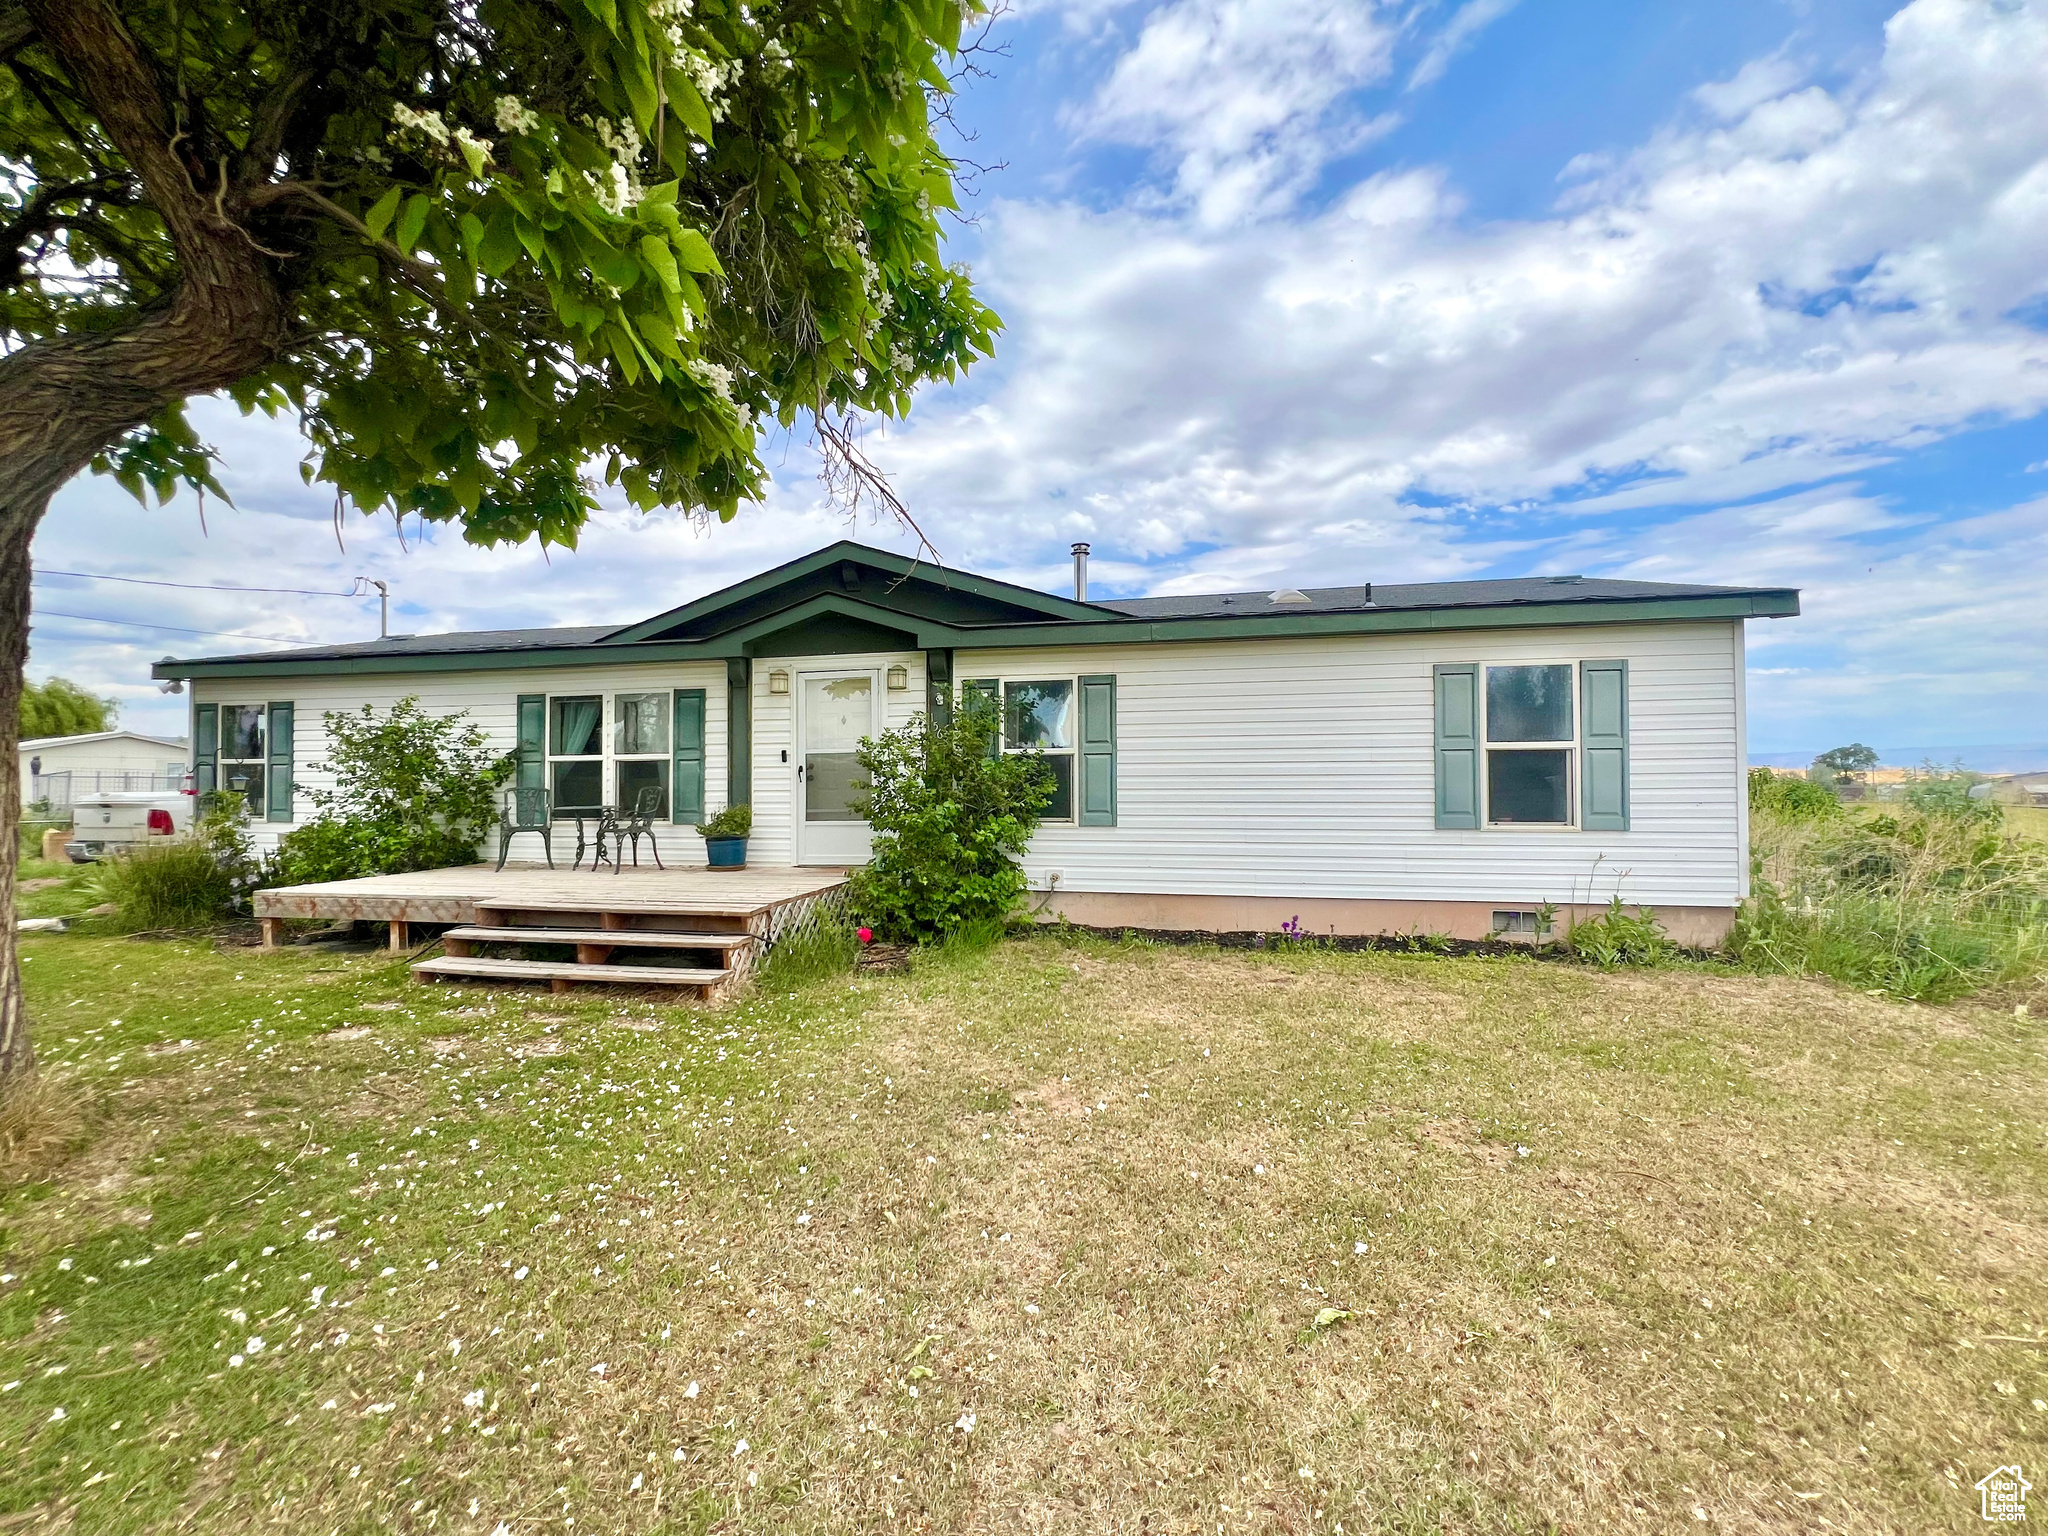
x=472, y=233
x=688, y=105
x=695, y=253
x=412, y=221
x=379, y=216
x=499, y=247
x=662, y=261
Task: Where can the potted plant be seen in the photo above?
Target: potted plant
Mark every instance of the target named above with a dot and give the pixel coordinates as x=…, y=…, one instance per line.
x=725, y=836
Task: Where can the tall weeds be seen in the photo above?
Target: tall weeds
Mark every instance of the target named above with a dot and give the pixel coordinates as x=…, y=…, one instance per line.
x=1929, y=903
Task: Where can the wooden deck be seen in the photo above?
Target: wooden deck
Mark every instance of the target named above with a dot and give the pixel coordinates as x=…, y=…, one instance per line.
x=739, y=900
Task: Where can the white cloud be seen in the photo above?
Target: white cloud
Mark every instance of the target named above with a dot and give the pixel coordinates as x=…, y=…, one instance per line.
x=1466, y=23
x=1247, y=98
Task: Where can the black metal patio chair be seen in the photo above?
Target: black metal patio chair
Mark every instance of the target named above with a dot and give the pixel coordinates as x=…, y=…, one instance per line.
x=526, y=810
x=636, y=824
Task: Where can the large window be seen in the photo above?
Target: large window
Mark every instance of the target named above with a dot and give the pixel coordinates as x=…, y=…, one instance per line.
x=241, y=753
x=1529, y=737
x=1038, y=717
x=640, y=744
x=576, y=752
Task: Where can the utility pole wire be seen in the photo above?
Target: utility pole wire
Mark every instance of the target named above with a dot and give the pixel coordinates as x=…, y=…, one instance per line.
x=93, y=618
x=196, y=586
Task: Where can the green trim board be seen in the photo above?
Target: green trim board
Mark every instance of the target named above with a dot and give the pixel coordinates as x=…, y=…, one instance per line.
x=928, y=635
x=739, y=732
x=847, y=552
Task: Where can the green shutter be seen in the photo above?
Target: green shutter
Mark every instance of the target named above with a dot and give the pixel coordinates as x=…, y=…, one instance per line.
x=982, y=696
x=206, y=748
x=1457, y=745
x=1098, y=752
x=277, y=783
x=532, y=749
x=686, y=795
x=1603, y=693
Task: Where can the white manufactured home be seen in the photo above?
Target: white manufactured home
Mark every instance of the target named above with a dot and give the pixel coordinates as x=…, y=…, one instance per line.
x=1450, y=757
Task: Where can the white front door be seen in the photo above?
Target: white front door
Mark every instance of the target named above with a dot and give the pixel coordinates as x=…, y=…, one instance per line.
x=834, y=711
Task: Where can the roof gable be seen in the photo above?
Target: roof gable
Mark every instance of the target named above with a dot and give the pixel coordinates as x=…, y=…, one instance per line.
x=874, y=578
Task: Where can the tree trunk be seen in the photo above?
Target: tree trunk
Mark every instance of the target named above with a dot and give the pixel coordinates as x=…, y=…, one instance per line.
x=64, y=399
x=17, y=1052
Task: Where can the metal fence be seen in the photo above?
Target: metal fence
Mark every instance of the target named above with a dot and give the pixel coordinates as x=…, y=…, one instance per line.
x=60, y=791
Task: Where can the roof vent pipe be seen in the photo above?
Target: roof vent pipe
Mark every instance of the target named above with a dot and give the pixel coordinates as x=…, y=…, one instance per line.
x=1080, y=573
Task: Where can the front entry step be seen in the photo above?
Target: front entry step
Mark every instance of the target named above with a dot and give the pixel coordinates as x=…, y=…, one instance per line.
x=629, y=938
x=561, y=975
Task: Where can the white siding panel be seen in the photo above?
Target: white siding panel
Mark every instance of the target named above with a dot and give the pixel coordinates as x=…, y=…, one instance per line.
x=1305, y=768
x=488, y=698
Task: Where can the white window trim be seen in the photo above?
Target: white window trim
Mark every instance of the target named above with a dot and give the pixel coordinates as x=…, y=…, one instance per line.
x=601, y=756
x=221, y=760
x=607, y=756
x=1572, y=746
x=1071, y=753
x=613, y=757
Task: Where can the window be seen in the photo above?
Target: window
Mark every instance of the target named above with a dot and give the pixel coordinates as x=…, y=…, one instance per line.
x=1529, y=780
x=640, y=743
x=576, y=752
x=1038, y=717
x=1543, y=745
x=241, y=753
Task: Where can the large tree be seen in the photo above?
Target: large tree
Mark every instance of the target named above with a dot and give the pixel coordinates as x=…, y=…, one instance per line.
x=487, y=253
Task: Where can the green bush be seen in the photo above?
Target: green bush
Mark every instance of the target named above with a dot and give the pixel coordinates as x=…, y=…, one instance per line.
x=1618, y=937
x=411, y=791
x=733, y=821
x=1925, y=904
x=951, y=821
x=1790, y=799
x=187, y=882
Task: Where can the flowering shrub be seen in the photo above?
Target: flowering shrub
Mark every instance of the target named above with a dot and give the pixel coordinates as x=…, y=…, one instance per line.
x=951, y=824
x=411, y=791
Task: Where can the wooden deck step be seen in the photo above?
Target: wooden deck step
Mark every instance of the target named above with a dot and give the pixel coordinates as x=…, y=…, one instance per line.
x=634, y=938
x=564, y=974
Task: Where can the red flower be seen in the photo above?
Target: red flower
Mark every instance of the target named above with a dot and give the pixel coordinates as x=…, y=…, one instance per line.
x=865, y=935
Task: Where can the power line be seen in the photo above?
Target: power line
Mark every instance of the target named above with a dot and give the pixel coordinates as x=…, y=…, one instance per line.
x=196, y=586
x=219, y=634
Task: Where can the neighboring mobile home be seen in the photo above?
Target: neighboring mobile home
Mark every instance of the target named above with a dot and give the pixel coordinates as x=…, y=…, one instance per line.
x=1449, y=757
x=61, y=769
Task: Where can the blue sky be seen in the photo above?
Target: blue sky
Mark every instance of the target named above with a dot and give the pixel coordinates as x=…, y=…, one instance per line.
x=1323, y=291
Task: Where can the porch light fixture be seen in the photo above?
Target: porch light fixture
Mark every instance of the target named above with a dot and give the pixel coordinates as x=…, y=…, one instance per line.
x=899, y=678
x=778, y=681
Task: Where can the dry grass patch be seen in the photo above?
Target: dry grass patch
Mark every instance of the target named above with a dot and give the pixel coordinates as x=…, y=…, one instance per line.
x=1060, y=1238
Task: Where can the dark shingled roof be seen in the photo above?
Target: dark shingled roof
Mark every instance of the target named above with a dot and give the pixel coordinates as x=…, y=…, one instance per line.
x=465, y=640
x=1548, y=591
x=1427, y=594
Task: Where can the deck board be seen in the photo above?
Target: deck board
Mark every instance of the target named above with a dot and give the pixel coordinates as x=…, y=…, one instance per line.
x=452, y=895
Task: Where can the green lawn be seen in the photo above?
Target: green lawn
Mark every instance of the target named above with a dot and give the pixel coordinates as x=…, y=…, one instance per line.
x=1066, y=1236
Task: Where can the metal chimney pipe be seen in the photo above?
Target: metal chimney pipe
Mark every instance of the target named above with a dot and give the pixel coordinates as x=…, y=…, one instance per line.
x=1080, y=573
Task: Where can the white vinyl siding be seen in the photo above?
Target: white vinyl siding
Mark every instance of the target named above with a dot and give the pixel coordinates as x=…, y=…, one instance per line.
x=492, y=701
x=1306, y=768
